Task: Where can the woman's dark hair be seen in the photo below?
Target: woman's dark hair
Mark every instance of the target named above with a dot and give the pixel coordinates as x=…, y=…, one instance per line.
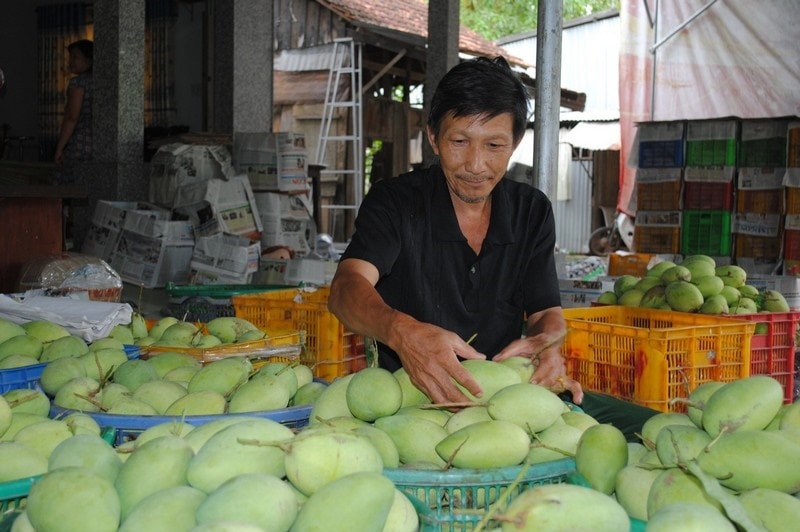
x=84, y=46
x=480, y=86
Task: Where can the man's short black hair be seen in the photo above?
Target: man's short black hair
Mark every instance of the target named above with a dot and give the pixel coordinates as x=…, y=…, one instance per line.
x=480, y=87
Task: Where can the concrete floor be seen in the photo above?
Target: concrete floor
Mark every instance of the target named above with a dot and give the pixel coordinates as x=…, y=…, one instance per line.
x=153, y=303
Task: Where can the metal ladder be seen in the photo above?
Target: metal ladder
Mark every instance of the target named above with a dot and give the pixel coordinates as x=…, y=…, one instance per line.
x=345, y=61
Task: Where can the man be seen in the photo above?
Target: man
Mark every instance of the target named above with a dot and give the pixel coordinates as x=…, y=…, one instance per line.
x=454, y=252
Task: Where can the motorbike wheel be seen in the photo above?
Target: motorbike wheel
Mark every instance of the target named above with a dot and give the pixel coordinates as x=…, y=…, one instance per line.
x=604, y=240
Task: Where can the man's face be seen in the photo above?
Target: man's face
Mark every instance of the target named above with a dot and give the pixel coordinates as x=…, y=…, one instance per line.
x=474, y=153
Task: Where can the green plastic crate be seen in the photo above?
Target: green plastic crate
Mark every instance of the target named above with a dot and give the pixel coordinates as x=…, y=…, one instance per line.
x=711, y=152
x=706, y=232
x=203, y=303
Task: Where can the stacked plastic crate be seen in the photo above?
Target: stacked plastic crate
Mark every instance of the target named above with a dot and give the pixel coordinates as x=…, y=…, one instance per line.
x=709, y=188
x=658, y=187
x=791, y=235
x=758, y=223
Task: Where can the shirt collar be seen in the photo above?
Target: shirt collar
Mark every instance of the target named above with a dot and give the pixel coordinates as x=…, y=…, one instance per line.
x=443, y=215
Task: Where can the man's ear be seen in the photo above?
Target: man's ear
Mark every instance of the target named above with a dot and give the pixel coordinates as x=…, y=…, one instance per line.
x=432, y=140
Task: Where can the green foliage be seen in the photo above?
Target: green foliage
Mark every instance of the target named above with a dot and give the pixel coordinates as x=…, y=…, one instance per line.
x=494, y=19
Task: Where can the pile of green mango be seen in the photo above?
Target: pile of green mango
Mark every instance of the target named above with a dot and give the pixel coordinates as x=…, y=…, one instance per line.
x=236, y=473
x=729, y=463
x=173, y=383
x=28, y=437
x=695, y=284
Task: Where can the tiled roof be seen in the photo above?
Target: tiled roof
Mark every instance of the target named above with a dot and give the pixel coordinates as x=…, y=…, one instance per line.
x=411, y=17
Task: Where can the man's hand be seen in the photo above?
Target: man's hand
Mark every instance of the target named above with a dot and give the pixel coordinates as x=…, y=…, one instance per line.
x=430, y=355
x=544, y=350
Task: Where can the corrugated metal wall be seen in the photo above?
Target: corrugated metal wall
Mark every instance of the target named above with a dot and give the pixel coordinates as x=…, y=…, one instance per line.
x=573, y=216
x=589, y=64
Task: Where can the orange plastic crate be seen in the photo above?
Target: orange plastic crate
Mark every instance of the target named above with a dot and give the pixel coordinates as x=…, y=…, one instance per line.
x=633, y=264
x=659, y=196
x=772, y=352
x=760, y=201
x=650, y=357
x=657, y=239
x=332, y=350
x=792, y=200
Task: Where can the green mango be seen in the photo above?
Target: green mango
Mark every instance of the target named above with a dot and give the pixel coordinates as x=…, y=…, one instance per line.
x=156, y=465
x=774, y=510
x=165, y=361
x=491, y=376
x=698, y=398
x=556, y=442
x=202, y=403
x=676, y=486
x=359, y=501
x=18, y=460
x=159, y=394
x=72, y=394
x=743, y=404
x=332, y=402
x=654, y=424
x=564, y=507
x=415, y=437
x=749, y=459
x=58, y=372
x=632, y=487
x=317, y=458
x=687, y=516
x=267, y=392
x=411, y=394
x=256, y=498
x=437, y=415
x=168, y=510
x=238, y=449
x=466, y=416
x=601, y=453
x=373, y=393
x=45, y=331
x=73, y=499
x=89, y=451
x=485, y=445
x=677, y=444
x=132, y=373
x=28, y=400
x=222, y=376
x=66, y=346
x=530, y=406
x=44, y=436
x=308, y=393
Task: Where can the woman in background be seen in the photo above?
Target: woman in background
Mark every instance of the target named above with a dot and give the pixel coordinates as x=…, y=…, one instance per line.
x=75, y=136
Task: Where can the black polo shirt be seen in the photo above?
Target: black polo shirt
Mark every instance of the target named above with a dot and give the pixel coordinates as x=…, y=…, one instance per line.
x=407, y=228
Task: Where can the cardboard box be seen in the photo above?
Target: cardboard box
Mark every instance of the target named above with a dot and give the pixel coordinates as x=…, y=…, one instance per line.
x=224, y=259
x=272, y=161
x=152, y=252
x=788, y=285
x=576, y=293
x=271, y=271
x=286, y=220
x=217, y=206
x=177, y=165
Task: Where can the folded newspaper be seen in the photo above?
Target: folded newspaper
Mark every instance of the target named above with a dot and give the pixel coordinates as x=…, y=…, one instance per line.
x=88, y=319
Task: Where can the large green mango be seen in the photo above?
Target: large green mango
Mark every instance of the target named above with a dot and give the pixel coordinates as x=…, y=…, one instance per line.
x=749, y=459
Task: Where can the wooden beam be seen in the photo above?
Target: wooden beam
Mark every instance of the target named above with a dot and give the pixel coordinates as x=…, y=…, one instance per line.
x=383, y=71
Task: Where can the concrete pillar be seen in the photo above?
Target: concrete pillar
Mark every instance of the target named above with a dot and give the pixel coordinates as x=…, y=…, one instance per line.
x=443, y=29
x=117, y=169
x=243, y=59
